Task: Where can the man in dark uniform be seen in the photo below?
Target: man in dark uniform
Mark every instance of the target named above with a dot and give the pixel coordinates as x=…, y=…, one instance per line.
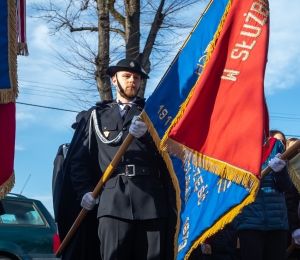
x=134, y=210
x=58, y=165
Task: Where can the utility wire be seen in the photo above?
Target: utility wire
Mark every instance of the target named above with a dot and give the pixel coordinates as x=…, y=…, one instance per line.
x=48, y=107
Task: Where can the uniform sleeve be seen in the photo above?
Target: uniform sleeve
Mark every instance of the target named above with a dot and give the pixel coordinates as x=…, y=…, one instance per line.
x=58, y=163
x=81, y=163
x=292, y=202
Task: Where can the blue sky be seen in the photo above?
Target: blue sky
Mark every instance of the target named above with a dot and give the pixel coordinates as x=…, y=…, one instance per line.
x=41, y=131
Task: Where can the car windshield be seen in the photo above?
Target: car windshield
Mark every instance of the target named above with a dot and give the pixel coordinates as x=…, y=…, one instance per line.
x=20, y=213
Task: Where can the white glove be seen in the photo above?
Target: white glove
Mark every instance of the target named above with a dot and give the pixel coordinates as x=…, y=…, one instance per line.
x=88, y=202
x=137, y=128
x=296, y=236
x=277, y=164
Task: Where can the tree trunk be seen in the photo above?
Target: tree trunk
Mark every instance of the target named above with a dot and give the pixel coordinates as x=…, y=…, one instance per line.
x=102, y=60
x=132, y=29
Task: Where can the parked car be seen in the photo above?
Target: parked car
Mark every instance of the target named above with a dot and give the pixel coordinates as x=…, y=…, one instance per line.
x=27, y=230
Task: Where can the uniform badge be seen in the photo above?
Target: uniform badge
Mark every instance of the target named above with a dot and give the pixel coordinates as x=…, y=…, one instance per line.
x=132, y=64
x=106, y=134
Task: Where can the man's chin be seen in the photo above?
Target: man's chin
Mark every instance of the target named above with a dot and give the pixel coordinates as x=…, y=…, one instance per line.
x=131, y=94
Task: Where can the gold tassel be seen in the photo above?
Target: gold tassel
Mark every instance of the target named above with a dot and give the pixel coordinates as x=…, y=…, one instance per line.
x=22, y=49
x=6, y=187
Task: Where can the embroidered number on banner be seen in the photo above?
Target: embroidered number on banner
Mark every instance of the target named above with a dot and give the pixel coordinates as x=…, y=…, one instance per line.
x=162, y=114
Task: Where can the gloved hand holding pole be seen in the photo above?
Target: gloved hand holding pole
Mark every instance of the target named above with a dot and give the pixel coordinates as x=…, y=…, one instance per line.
x=294, y=148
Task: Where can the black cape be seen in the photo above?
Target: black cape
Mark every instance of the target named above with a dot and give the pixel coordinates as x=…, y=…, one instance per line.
x=86, y=244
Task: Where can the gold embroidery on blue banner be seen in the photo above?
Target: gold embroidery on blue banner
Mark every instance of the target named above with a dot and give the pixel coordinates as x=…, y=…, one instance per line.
x=185, y=234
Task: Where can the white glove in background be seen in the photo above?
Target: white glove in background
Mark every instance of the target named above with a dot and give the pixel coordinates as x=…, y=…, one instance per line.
x=137, y=128
x=277, y=164
x=296, y=236
x=88, y=202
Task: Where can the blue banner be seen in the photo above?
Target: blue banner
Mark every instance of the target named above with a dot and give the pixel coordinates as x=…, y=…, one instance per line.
x=4, y=45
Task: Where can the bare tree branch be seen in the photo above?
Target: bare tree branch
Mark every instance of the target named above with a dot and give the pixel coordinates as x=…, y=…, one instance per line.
x=156, y=25
x=122, y=33
x=120, y=18
x=92, y=29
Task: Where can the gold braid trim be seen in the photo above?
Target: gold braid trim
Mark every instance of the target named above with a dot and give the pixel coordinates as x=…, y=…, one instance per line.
x=184, y=105
x=293, y=173
x=169, y=164
x=10, y=95
x=6, y=187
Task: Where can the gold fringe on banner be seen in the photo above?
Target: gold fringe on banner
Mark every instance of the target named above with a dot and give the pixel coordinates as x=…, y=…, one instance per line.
x=22, y=49
x=169, y=164
x=10, y=95
x=294, y=175
x=6, y=187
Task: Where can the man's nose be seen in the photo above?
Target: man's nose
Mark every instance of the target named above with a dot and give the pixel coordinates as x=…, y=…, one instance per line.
x=131, y=79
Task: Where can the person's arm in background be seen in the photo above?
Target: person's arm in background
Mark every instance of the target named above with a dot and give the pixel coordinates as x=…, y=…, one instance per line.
x=292, y=202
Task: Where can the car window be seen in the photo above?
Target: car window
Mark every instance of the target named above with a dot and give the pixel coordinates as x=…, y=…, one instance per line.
x=20, y=213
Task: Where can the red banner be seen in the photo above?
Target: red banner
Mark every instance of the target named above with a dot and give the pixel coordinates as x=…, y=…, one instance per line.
x=7, y=147
x=224, y=118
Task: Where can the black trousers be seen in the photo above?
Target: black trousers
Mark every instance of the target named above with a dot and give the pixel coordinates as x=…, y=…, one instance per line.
x=122, y=239
x=263, y=245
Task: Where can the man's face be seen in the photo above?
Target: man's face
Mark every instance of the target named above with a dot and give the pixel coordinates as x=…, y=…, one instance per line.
x=281, y=138
x=129, y=81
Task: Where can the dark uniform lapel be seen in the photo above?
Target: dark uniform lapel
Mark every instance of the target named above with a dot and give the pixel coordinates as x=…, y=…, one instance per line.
x=114, y=114
x=131, y=113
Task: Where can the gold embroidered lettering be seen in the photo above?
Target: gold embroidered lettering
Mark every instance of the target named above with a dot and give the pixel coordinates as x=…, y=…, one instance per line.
x=185, y=234
x=169, y=119
x=202, y=194
x=244, y=45
x=196, y=174
x=265, y=2
x=163, y=114
x=240, y=54
x=231, y=75
x=261, y=9
x=198, y=183
x=222, y=185
x=253, y=28
x=251, y=15
x=160, y=109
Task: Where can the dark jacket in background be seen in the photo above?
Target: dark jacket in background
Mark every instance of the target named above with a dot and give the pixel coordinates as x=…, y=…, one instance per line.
x=292, y=199
x=268, y=211
x=224, y=245
x=57, y=177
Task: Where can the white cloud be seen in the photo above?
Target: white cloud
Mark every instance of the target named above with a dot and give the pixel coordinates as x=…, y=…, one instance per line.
x=283, y=59
x=21, y=116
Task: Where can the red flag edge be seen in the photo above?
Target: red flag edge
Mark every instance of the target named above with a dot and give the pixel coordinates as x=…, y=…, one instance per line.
x=220, y=168
x=6, y=187
x=9, y=95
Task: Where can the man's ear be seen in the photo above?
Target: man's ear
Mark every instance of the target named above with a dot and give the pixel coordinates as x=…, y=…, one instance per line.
x=114, y=80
